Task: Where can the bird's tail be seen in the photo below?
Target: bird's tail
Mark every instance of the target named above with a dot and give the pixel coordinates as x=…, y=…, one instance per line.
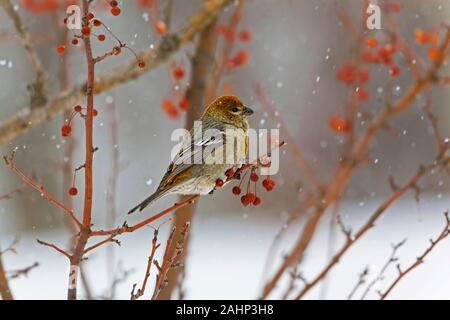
x=158, y=194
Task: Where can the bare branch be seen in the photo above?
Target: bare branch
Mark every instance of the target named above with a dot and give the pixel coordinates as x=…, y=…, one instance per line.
x=25, y=119
x=402, y=273
x=38, y=88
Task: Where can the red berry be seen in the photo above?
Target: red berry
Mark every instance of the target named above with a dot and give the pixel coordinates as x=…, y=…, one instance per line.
x=115, y=11
x=363, y=75
x=141, y=64
x=170, y=108
x=245, y=36
x=61, y=49
x=391, y=49
x=385, y=56
x=95, y=112
x=178, y=73
x=244, y=200
x=241, y=58
x=257, y=201
x=394, y=71
x=219, y=183
x=254, y=176
x=346, y=74
x=74, y=41
x=251, y=197
x=97, y=23
x=101, y=37
x=86, y=30
x=269, y=184
x=372, y=42
x=161, y=27
x=395, y=7
x=73, y=191
x=362, y=94
x=236, y=190
x=113, y=3
x=184, y=104
x=90, y=15
x=77, y=108
x=229, y=173
x=66, y=130
x=339, y=124
x=434, y=54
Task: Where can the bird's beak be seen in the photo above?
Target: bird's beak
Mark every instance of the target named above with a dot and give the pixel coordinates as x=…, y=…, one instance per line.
x=248, y=111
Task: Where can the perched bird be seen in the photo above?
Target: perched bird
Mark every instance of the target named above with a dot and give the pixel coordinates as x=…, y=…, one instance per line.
x=221, y=144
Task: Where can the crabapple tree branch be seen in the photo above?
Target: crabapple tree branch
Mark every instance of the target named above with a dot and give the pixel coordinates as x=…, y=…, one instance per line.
x=26, y=119
x=357, y=155
x=411, y=183
x=419, y=260
x=38, y=88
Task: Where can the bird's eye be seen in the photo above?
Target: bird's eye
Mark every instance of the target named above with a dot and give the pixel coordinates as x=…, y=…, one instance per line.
x=235, y=109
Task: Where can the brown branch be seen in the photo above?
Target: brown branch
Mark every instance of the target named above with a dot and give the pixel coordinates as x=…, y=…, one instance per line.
x=402, y=273
x=155, y=245
x=202, y=63
x=346, y=168
x=361, y=280
x=170, y=258
x=13, y=274
x=38, y=93
x=127, y=229
x=51, y=245
x=5, y=290
x=170, y=44
x=379, y=277
x=9, y=161
x=83, y=237
x=8, y=195
x=370, y=223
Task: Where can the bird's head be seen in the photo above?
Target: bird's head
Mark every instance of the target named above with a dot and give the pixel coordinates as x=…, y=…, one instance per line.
x=230, y=110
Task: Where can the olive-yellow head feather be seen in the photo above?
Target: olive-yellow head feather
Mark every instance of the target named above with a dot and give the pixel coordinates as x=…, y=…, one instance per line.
x=229, y=110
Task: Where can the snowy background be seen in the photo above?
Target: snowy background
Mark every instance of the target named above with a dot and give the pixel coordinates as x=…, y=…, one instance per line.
x=296, y=48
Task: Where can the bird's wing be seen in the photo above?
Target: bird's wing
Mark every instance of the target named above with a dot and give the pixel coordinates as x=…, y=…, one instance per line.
x=193, y=152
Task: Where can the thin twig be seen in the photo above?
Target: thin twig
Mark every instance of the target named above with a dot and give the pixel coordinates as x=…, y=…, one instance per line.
x=170, y=44
x=361, y=280
x=38, y=93
x=379, y=277
x=155, y=245
x=369, y=224
x=9, y=161
x=402, y=273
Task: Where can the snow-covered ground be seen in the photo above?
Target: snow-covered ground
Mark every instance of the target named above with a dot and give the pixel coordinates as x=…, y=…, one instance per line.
x=227, y=256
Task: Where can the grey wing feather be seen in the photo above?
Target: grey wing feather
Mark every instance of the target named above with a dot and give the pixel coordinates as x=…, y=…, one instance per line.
x=193, y=150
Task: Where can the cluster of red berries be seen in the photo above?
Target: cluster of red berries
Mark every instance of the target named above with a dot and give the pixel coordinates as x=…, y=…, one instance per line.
x=383, y=55
x=171, y=108
x=339, y=124
x=115, y=10
x=86, y=31
x=66, y=129
x=249, y=197
x=41, y=6
x=242, y=57
x=432, y=38
x=239, y=59
x=229, y=34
